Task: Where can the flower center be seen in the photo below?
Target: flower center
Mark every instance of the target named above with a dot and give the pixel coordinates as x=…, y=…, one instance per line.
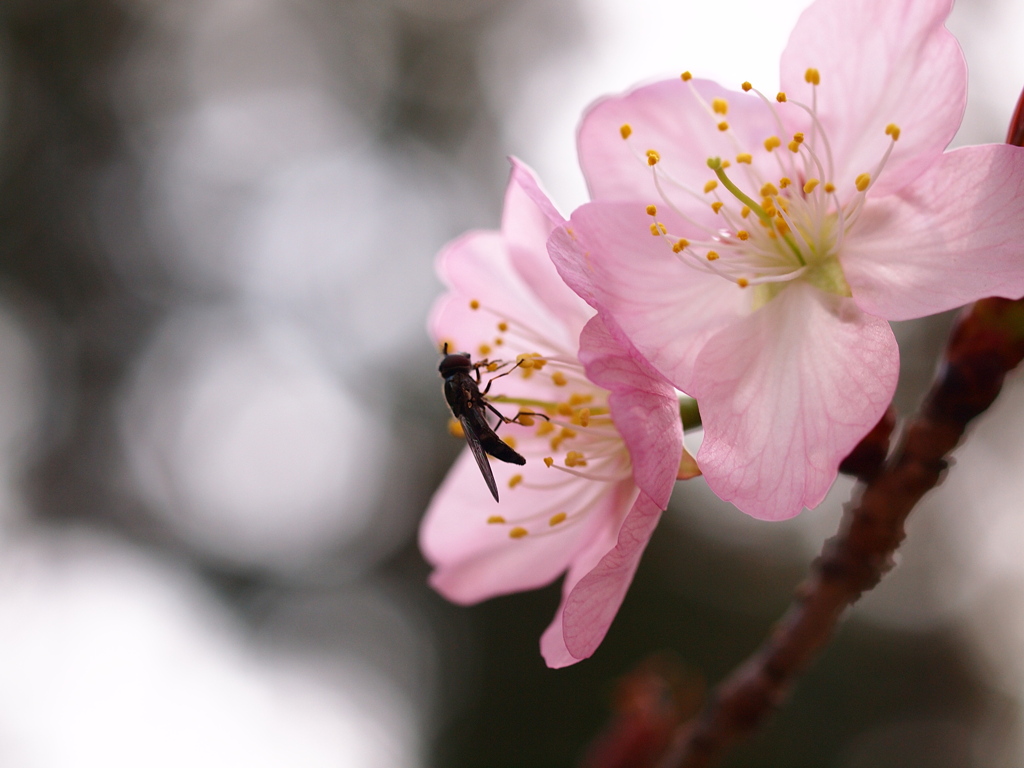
x=570, y=430
x=783, y=214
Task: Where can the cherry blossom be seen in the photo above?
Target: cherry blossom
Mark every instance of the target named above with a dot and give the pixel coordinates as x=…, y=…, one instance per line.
x=599, y=469
x=753, y=247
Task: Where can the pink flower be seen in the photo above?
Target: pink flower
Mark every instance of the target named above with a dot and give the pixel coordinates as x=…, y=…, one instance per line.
x=789, y=230
x=597, y=475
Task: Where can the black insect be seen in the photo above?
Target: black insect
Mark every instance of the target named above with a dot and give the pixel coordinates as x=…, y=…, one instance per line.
x=469, y=405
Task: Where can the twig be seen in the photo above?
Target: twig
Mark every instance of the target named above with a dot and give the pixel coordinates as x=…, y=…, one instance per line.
x=987, y=342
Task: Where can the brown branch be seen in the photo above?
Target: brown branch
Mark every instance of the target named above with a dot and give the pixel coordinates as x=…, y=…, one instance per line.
x=987, y=342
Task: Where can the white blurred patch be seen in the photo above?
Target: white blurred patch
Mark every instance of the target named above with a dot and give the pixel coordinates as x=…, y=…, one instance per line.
x=347, y=239
x=241, y=440
x=110, y=659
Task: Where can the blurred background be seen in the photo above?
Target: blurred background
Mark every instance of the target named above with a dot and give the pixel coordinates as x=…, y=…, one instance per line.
x=221, y=420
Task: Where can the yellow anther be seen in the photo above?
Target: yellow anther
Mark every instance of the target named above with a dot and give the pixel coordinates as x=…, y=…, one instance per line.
x=784, y=182
x=744, y=157
x=525, y=361
x=829, y=187
x=654, y=230
x=502, y=326
x=743, y=234
x=772, y=142
x=768, y=190
x=798, y=138
x=653, y=157
x=793, y=146
x=495, y=519
x=745, y=211
x=492, y=367
x=539, y=362
x=781, y=226
x=584, y=415
x=726, y=163
x=686, y=76
x=559, y=378
x=680, y=244
x=557, y=518
x=710, y=185
x=719, y=106
x=525, y=419
x=652, y=210
x=723, y=126
x=625, y=130
x=564, y=409
x=712, y=256
x=514, y=481
x=742, y=282
x=474, y=304
x=445, y=344
x=484, y=350
x=578, y=398
x=548, y=461
x=555, y=442
x=567, y=433
x=809, y=185
x=717, y=206
x=780, y=97
x=746, y=85
x=545, y=428
x=509, y=440
x=863, y=182
x=527, y=372
x=517, y=533
x=575, y=459
x=812, y=76
x=455, y=428
x=893, y=130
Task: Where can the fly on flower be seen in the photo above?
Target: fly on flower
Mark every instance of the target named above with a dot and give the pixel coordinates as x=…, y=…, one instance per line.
x=599, y=468
x=469, y=405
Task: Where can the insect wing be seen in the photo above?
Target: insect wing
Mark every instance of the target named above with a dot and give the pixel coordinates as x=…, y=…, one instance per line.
x=471, y=429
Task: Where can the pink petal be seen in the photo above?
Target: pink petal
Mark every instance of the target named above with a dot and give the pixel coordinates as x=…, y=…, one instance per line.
x=526, y=223
x=881, y=62
x=595, y=588
x=474, y=560
x=666, y=117
x=668, y=310
x=644, y=407
x=785, y=395
x=953, y=237
x=477, y=267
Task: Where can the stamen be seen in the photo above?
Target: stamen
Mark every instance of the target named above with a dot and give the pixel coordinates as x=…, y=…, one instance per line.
x=518, y=532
